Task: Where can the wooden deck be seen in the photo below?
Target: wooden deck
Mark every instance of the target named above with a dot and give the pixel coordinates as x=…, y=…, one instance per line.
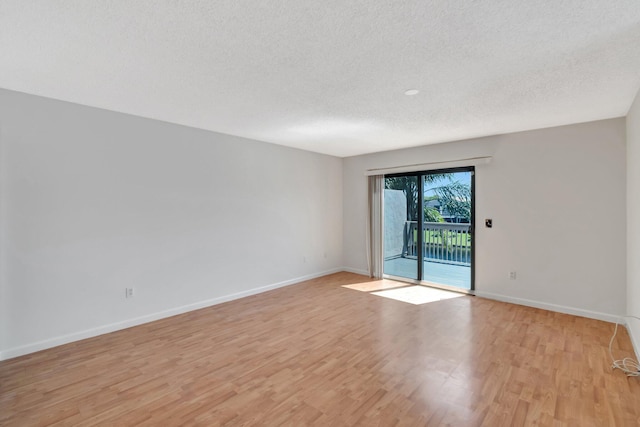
x=330, y=352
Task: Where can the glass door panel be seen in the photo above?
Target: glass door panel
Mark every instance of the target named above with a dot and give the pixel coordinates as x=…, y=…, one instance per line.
x=428, y=227
x=400, y=226
x=446, y=240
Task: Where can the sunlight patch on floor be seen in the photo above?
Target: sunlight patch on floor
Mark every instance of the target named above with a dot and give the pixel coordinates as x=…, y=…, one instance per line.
x=417, y=294
x=375, y=285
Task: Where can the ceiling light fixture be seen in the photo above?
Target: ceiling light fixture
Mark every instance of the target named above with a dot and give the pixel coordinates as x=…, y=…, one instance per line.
x=412, y=92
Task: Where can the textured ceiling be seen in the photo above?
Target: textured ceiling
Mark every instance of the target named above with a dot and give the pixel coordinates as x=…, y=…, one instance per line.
x=330, y=76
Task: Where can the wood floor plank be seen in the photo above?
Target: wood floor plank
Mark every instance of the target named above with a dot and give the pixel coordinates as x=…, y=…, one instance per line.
x=330, y=352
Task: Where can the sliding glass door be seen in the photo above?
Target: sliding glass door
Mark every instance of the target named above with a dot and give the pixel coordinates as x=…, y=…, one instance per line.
x=400, y=211
x=428, y=227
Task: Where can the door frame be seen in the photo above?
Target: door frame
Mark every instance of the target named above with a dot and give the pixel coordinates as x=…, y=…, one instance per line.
x=420, y=227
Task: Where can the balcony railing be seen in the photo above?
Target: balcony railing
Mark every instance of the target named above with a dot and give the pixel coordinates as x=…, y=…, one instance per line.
x=443, y=242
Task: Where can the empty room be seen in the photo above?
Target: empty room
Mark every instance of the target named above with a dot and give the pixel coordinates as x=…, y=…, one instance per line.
x=290, y=213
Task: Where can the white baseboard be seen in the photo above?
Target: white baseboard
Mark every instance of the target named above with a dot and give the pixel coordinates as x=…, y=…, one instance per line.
x=112, y=327
x=356, y=271
x=633, y=328
x=551, y=307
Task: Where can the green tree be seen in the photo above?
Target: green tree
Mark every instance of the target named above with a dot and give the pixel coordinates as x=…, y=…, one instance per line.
x=455, y=199
x=409, y=185
x=431, y=214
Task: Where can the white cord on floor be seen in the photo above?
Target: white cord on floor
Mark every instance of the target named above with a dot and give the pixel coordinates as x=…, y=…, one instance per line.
x=629, y=366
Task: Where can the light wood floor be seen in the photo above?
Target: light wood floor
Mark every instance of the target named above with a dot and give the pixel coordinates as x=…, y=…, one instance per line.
x=318, y=353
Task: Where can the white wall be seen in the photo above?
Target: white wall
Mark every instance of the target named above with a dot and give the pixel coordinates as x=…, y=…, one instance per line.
x=633, y=228
x=557, y=200
x=4, y=304
x=95, y=201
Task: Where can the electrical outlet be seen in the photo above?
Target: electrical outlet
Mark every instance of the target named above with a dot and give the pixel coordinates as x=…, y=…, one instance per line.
x=512, y=275
x=128, y=292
